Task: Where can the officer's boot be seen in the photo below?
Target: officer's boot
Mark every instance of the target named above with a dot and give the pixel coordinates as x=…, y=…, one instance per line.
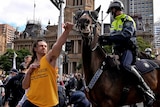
x=149, y=95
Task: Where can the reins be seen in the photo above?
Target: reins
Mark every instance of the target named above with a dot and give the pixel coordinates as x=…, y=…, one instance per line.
x=99, y=71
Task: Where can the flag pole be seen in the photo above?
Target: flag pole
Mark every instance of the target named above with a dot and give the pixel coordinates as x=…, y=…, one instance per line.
x=60, y=30
x=34, y=11
x=60, y=6
x=14, y=60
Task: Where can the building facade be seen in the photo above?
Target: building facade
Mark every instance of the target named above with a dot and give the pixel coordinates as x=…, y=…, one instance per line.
x=143, y=9
x=8, y=31
x=142, y=12
x=6, y=37
x=73, y=5
x=157, y=29
x=3, y=42
x=157, y=36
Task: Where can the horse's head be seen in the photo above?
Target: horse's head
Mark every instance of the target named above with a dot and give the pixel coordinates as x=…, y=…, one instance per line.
x=86, y=20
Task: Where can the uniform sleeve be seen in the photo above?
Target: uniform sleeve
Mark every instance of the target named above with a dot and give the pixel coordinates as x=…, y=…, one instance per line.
x=128, y=30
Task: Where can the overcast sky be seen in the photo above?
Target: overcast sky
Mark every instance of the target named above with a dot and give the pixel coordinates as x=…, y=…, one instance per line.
x=17, y=12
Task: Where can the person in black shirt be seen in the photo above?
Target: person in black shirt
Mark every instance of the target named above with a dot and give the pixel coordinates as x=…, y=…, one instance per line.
x=13, y=88
x=80, y=84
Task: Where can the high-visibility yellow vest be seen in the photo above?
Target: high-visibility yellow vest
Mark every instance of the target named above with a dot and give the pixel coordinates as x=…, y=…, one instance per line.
x=117, y=24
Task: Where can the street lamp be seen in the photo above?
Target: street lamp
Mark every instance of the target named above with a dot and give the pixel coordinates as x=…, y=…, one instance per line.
x=57, y=3
x=60, y=6
x=102, y=24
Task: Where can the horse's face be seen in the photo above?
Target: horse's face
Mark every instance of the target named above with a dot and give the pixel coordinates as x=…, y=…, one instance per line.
x=85, y=20
x=84, y=23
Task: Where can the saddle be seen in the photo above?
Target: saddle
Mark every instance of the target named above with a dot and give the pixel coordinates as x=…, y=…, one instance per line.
x=145, y=66
x=142, y=65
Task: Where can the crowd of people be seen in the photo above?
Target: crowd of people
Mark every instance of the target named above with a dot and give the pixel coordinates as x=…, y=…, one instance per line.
x=70, y=89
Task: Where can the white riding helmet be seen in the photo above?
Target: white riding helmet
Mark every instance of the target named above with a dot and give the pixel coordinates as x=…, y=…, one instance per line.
x=148, y=50
x=115, y=4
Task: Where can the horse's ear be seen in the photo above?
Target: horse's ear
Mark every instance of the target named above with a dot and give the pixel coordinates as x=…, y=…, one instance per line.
x=98, y=9
x=95, y=13
x=77, y=15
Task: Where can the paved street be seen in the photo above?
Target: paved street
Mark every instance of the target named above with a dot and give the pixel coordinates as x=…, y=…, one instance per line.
x=139, y=105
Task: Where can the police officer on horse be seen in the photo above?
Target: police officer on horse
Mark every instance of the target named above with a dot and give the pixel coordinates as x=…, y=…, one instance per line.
x=123, y=36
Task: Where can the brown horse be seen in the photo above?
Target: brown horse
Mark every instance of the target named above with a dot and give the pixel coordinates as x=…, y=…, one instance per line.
x=106, y=84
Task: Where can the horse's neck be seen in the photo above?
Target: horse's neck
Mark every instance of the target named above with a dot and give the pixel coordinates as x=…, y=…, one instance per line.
x=91, y=60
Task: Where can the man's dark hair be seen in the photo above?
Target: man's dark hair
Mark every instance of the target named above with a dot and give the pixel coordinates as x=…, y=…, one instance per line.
x=34, y=56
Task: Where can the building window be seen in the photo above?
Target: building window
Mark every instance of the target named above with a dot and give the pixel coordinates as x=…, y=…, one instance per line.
x=77, y=2
x=79, y=46
x=73, y=2
x=80, y=2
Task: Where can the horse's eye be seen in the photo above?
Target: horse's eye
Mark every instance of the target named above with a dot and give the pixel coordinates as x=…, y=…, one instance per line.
x=87, y=21
x=94, y=14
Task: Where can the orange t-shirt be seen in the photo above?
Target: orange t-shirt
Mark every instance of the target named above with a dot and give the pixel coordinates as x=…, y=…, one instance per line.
x=43, y=91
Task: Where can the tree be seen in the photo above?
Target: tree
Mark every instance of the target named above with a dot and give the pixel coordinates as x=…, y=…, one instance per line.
x=142, y=44
x=6, y=60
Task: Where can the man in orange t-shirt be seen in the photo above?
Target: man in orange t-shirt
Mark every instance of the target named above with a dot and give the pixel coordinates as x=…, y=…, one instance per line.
x=41, y=78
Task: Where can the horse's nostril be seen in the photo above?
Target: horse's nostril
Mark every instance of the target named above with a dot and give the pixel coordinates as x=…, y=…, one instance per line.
x=87, y=21
x=83, y=26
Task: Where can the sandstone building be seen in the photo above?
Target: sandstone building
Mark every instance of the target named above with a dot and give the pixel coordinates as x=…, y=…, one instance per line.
x=72, y=59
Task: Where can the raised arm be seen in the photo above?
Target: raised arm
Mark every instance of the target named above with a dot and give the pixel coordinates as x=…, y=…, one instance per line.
x=57, y=47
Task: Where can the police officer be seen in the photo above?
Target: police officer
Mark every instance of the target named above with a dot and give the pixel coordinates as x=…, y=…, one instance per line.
x=148, y=51
x=123, y=36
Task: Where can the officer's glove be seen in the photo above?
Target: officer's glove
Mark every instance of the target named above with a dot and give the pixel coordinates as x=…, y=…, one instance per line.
x=103, y=40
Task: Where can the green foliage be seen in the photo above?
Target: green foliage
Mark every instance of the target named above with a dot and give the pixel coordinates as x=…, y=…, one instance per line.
x=108, y=48
x=79, y=66
x=6, y=60
x=142, y=44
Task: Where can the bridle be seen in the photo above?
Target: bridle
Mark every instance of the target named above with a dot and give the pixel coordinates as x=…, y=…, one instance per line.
x=88, y=39
x=87, y=27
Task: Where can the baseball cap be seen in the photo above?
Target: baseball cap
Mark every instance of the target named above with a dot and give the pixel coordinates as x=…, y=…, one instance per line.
x=14, y=70
x=22, y=66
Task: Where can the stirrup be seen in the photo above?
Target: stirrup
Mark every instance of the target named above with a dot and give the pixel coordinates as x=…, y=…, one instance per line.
x=149, y=99
x=150, y=94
